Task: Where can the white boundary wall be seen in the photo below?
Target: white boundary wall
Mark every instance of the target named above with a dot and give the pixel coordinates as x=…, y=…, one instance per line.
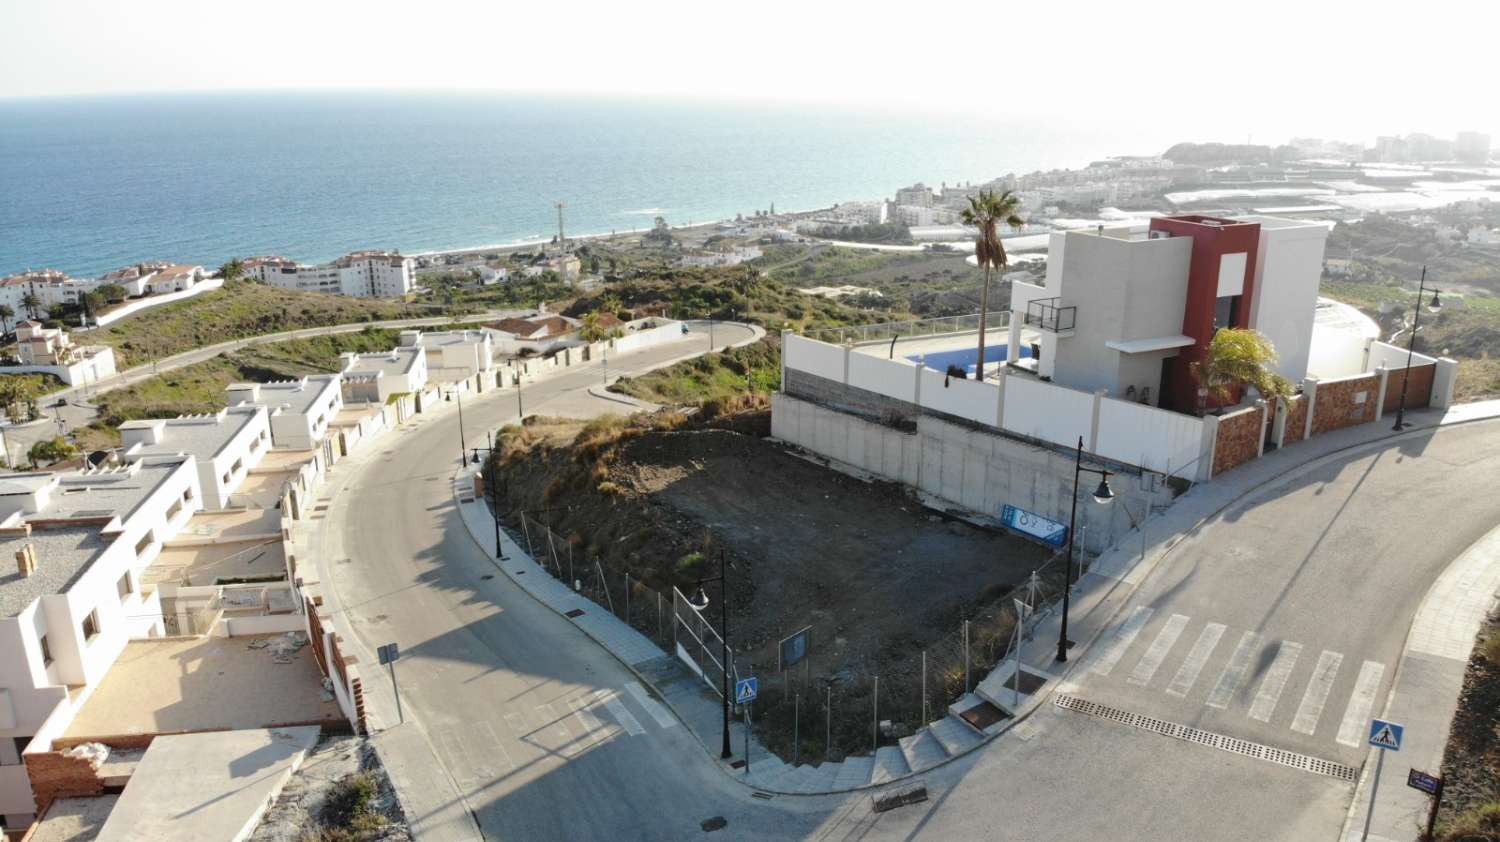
x=1388, y=355
x=1132, y=433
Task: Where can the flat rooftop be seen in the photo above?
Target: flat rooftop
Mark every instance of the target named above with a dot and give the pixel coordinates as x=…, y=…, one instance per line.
x=112, y=491
x=196, y=683
x=453, y=337
x=63, y=553
x=222, y=563
x=276, y=461
x=294, y=396
x=203, y=436
x=398, y=361
x=206, y=786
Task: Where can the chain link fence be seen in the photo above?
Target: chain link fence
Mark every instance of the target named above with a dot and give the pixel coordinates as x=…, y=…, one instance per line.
x=817, y=710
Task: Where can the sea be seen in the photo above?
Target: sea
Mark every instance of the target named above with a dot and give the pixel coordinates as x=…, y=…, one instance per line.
x=89, y=184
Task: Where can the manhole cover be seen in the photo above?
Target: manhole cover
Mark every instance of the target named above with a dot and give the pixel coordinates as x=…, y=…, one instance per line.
x=576, y=612
x=983, y=715
x=715, y=823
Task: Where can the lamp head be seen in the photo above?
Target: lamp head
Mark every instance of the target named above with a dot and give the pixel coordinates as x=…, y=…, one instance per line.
x=699, y=599
x=1104, y=494
x=1435, y=304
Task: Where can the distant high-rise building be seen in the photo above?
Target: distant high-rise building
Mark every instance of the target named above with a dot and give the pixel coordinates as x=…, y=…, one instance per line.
x=1472, y=147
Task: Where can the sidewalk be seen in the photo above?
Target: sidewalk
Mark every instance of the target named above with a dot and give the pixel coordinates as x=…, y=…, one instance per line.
x=1098, y=597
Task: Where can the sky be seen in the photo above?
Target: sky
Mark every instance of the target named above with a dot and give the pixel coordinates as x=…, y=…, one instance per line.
x=1260, y=71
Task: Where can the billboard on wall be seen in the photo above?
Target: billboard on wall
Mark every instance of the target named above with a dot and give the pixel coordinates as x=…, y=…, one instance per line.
x=1043, y=529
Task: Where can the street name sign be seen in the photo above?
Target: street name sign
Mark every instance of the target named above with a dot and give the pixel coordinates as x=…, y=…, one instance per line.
x=746, y=689
x=1043, y=529
x=1386, y=735
x=1418, y=779
x=388, y=654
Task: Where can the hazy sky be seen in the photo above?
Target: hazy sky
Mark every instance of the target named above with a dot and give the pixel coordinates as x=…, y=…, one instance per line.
x=1206, y=70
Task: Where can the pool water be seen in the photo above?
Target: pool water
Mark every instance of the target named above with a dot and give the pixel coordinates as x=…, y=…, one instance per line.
x=964, y=357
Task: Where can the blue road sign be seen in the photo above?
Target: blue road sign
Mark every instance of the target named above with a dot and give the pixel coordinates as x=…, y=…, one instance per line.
x=1043, y=529
x=1386, y=735
x=746, y=689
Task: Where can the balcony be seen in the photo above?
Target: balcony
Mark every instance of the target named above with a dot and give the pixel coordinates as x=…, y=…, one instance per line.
x=1051, y=315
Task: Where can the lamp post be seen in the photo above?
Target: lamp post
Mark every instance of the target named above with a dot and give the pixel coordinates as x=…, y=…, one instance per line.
x=699, y=601
x=462, y=447
x=1411, y=344
x=1103, y=495
x=494, y=500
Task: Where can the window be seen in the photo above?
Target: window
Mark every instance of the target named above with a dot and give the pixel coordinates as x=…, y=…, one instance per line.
x=144, y=544
x=187, y=495
x=173, y=509
x=91, y=626
x=238, y=464
x=123, y=587
x=1226, y=311
x=46, y=651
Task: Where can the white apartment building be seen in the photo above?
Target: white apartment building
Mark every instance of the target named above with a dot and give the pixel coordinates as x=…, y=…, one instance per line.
x=225, y=446
x=917, y=195
x=364, y=274
x=722, y=257
x=452, y=354
x=374, y=378
x=300, y=410
x=74, y=547
x=174, y=277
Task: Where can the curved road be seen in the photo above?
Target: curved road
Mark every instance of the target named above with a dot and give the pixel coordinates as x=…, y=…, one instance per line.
x=1329, y=564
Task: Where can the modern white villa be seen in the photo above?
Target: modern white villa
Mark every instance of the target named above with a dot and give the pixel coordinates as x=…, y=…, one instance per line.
x=452, y=354
x=300, y=410
x=374, y=378
x=226, y=445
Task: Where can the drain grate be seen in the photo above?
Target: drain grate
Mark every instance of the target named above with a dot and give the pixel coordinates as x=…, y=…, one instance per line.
x=575, y=613
x=1221, y=742
x=764, y=796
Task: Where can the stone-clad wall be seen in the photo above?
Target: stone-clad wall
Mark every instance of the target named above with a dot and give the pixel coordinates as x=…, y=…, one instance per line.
x=1296, y=419
x=1345, y=403
x=871, y=406
x=1239, y=437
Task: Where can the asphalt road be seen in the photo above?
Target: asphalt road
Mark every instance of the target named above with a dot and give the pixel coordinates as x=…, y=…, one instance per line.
x=1333, y=562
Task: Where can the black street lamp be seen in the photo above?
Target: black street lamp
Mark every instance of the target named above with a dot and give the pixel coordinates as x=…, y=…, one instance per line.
x=462, y=448
x=494, y=500
x=1434, y=305
x=1103, y=495
x=699, y=601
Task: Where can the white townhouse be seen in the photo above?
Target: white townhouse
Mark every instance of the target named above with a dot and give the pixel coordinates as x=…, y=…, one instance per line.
x=300, y=409
x=73, y=547
x=374, y=378
x=452, y=354
x=225, y=444
x=52, y=351
x=365, y=274
x=537, y=334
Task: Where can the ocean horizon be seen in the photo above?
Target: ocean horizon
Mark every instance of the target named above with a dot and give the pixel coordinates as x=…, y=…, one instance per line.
x=89, y=184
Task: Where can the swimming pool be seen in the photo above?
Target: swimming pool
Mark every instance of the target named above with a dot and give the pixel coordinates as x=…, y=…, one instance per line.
x=964, y=357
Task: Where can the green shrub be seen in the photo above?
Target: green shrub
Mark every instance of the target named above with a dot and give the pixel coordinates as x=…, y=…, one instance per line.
x=690, y=566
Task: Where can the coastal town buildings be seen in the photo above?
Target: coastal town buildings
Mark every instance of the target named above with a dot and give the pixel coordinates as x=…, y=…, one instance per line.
x=51, y=351
x=365, y=274
x=918, y=195
x=728, y=256
x=76, y=545
x=452, y=354
x=535, y=335
x=225, y=446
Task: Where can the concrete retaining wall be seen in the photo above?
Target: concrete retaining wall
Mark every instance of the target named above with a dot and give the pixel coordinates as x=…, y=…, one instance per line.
x=965, y=468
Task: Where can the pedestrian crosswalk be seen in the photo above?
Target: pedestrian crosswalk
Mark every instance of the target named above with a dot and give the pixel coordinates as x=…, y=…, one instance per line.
x=481, y=749
x=1240, y=673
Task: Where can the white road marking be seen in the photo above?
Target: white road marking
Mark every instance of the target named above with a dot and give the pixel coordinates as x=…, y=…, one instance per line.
x=1234, y=671
x=1187, y=674
x=1313, y=699
x=559, y=726
x=595, y=730
x=495, y=740
x=658, y=711
x=1352, y=730
x=516, y=723
x=1121, y=640
x=621, y=714
x=1165, y=640
x=1275, y=681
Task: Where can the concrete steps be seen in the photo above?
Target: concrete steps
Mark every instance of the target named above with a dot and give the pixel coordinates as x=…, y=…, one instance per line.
x=799, y=779
x=955, y=734
x=824, y=776
x=890, y=763
x=854, y=771
x=922, y=750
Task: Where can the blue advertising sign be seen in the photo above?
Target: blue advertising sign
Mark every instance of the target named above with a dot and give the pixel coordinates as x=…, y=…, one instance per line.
x=1043, y=529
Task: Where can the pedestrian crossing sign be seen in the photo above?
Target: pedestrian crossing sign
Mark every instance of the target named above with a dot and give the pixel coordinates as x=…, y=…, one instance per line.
x=1386, y=735
x=745, y=690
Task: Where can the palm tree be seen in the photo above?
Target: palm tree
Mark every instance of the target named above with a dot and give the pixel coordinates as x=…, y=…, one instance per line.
x=31, y=303
x=985, y=214
x=1239, y=356
x=7, y=313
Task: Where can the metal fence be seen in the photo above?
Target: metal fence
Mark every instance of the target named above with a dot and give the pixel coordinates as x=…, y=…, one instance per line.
x=819, y=710
x=885, y=331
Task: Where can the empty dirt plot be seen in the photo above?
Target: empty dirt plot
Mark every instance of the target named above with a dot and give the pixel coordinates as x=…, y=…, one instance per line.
x=877, y=577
